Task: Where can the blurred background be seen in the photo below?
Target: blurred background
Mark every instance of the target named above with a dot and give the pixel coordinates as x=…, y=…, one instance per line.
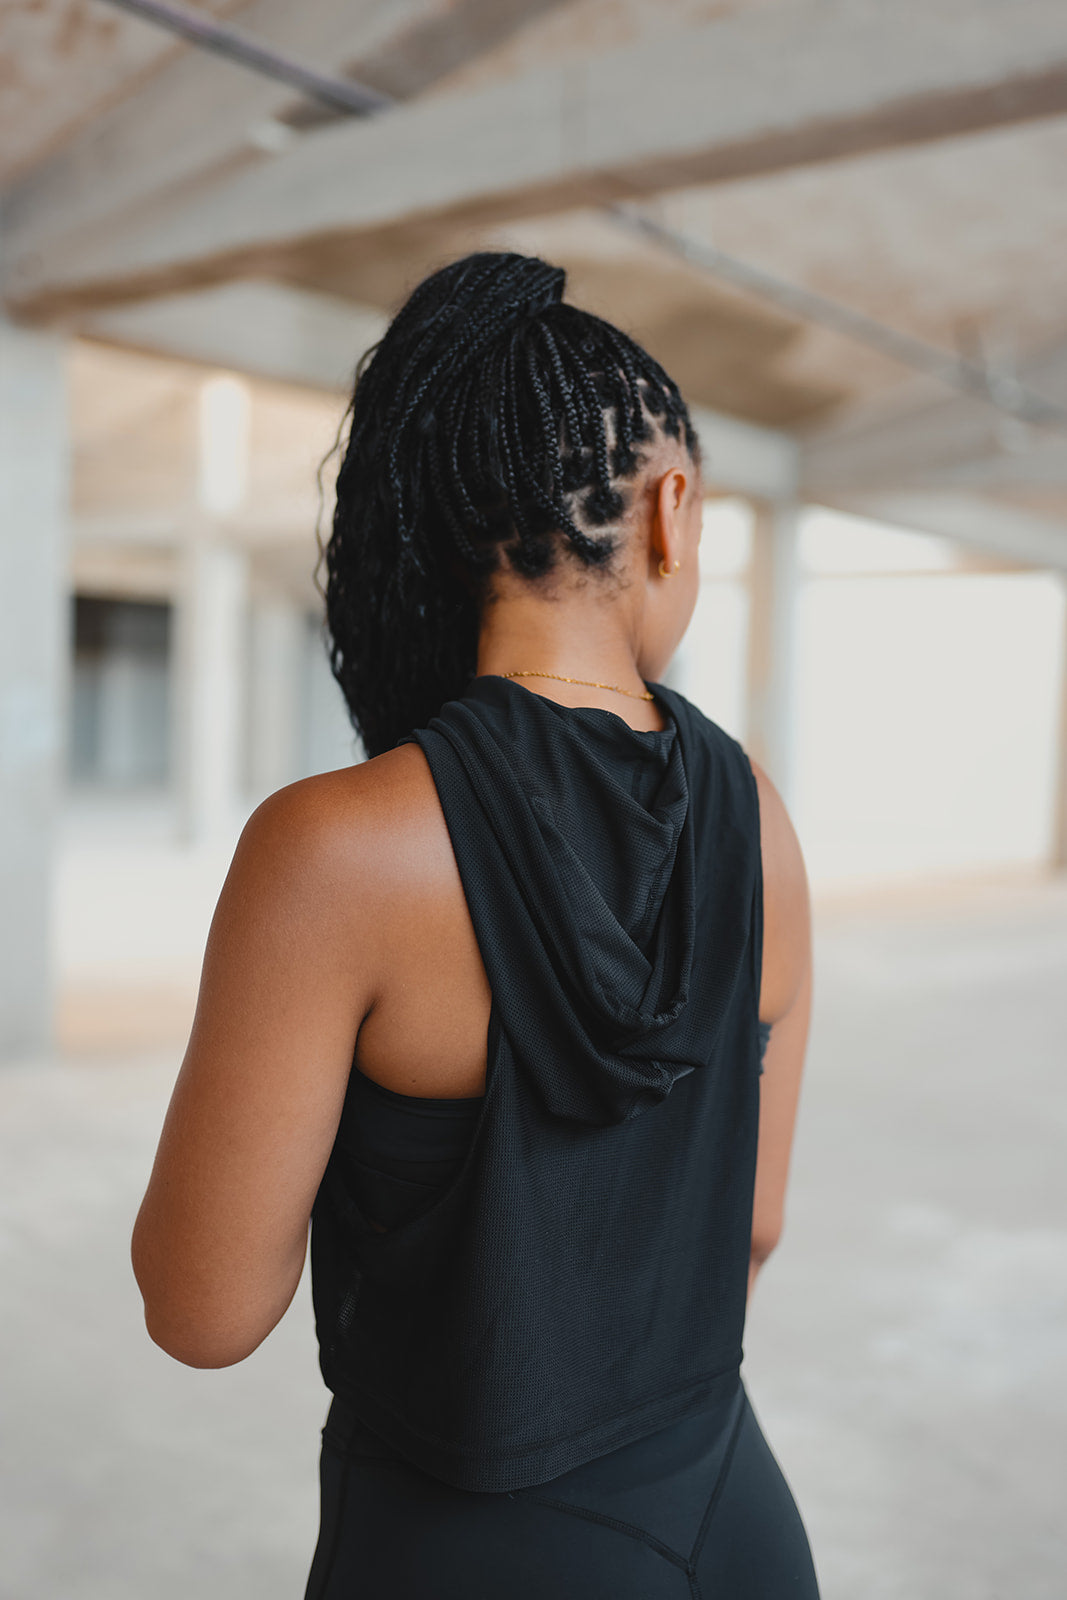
x=841, y=226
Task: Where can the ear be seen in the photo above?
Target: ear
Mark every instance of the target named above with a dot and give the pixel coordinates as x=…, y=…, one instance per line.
x=666, y=534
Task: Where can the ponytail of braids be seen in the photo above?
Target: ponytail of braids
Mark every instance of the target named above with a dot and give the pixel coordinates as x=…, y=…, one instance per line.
x=490, y=417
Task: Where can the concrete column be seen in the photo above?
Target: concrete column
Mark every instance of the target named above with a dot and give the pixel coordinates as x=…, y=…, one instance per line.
x=1059, y=814
x=275, y=681
x=210, y=636
x=34, y=673
x=328, y=739
x=773, y=587
x=208, y=662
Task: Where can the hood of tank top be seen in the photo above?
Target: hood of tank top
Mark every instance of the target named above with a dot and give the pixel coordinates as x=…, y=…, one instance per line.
x=574, y=839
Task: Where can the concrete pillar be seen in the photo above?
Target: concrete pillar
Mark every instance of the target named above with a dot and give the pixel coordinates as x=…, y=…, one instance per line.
x=210, y=636
x=208, y=663
x=772, y=627
x=1059, y=814
x=328, y=740
x=276, y=649
x=34, y=674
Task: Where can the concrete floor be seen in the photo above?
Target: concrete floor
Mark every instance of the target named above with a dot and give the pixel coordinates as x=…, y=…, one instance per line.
x=905, y=1351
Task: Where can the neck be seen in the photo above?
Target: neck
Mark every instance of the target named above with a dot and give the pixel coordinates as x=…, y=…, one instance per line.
x=572, y=638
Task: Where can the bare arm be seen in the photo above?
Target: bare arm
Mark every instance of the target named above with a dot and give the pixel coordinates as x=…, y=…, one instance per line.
x=785, y=1001
x=221, y=1235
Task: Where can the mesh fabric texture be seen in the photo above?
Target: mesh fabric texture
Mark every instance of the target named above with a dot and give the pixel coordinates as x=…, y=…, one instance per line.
x=581, y=1278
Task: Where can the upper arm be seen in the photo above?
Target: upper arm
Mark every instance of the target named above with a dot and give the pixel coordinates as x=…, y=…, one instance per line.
x=287, y=978
x=785, y=1002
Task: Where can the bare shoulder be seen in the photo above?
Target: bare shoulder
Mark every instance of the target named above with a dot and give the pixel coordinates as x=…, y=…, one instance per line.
x=786, y=903
x=356, y=828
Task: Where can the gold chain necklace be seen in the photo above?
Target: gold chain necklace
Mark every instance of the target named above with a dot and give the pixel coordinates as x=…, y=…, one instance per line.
x=585, y=682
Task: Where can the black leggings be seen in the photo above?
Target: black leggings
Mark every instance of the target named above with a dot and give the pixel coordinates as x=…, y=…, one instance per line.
x=696, y=1511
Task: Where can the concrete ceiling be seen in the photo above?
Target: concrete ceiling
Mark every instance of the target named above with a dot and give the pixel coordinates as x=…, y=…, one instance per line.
x=63, y=63
x=943, y=214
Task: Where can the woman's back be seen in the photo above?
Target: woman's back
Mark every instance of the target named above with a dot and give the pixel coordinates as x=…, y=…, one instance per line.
x=613, y=881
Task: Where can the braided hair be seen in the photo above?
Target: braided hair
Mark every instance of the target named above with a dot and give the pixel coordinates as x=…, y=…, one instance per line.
x=490, y=418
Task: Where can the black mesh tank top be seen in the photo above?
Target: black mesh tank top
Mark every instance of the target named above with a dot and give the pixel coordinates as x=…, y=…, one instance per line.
x=510, y=1285
x=402, y=1150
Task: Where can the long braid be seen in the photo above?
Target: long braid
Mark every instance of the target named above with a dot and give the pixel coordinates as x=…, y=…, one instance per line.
x=490, y=422
x=566, y=389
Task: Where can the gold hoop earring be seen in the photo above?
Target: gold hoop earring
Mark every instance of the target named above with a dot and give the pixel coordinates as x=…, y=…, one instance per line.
x=663, y=571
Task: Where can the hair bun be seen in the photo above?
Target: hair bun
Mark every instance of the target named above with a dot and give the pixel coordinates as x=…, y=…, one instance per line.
x=500, y=287
x=538, y=285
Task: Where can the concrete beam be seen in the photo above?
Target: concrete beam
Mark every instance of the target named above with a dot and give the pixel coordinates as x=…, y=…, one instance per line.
x=759, y=92
x=976, y=523
x=927, y=439
x=313, y=339
x=122, y=572
x=196, y=115
x=443, y=42
x=1030, y=462
x=743, y=458
x=264, y=329
x=200, y=117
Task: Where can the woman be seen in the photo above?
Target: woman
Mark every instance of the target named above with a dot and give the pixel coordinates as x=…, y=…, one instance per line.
x=488, y=1007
